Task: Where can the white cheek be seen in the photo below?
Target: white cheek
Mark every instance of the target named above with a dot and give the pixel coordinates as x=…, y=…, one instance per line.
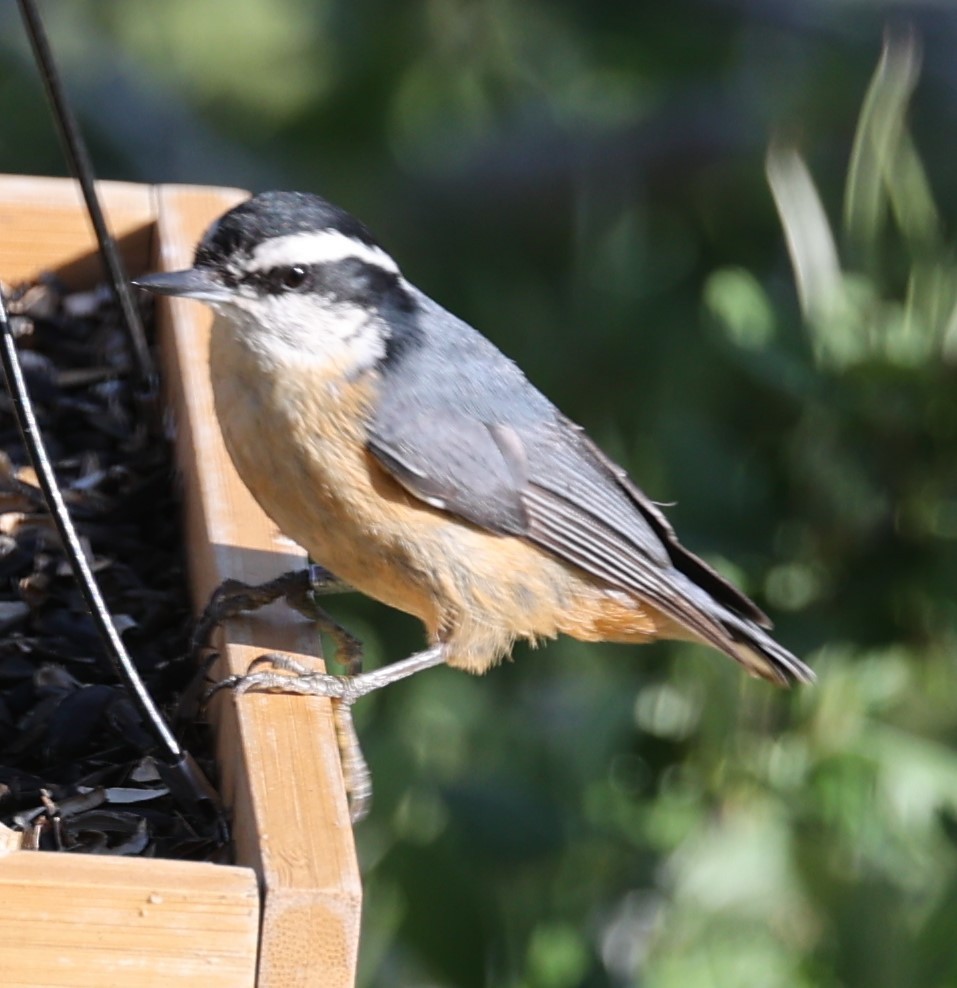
x=299, y=330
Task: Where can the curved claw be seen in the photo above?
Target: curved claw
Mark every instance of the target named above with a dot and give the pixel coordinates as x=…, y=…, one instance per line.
x=287, y=675
x=300, y=589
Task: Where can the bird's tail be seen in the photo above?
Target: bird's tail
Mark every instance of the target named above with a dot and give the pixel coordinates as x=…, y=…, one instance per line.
x=760, y=654
x=723, y=617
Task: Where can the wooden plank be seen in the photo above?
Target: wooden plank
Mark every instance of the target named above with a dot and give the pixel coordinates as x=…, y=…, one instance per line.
x=44, y=226
x=83, y=921
x=278, y=754
x=10, y=840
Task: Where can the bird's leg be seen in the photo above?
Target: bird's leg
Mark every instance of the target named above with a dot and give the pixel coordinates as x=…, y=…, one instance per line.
x=234, y=597
x=287, y=675
x=303, y=599
x=299, y=588
x=308, y=682
x=356, y=776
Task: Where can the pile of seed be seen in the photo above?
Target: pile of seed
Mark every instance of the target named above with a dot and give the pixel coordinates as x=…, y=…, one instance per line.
x=75, y=773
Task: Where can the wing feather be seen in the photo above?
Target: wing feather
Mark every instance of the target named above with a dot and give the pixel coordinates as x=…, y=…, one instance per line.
x=541, y=482
x=568, y=531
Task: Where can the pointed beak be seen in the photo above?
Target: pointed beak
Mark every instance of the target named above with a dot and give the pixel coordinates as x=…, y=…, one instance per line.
x=198, y=283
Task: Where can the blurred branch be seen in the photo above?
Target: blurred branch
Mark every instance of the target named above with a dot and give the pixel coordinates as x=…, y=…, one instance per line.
x=854, y=316
x=810, y=241
x=875, y=157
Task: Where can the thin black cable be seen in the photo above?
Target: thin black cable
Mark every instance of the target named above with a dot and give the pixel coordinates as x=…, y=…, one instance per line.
x=80, y=165
x=115, y=650
x=186, y=781
x=185, y=778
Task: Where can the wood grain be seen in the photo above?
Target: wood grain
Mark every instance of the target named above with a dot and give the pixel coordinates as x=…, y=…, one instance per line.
x=71, y=921
x=44, y=226
x=278, y=754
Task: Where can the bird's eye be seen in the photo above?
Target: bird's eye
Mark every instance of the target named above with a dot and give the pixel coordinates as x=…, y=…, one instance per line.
x=288, y=279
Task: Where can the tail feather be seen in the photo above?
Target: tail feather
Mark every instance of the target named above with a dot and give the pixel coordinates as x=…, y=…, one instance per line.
x=737, y=633
x=761, y=655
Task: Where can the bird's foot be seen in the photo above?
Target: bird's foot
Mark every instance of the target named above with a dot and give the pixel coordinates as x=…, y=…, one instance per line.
x=285, y=674
x=299, y=588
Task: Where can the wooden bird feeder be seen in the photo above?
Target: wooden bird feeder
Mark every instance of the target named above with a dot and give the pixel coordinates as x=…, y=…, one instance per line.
x=287, y=913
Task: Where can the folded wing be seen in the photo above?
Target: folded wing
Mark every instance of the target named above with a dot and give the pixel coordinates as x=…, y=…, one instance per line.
x=545, y=481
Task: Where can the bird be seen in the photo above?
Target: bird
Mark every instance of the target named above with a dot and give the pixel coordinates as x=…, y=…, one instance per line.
x=417, y=464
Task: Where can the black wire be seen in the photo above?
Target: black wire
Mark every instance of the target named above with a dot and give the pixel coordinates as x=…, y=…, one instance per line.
x=177, y=767
x=187, y=783
x=115, y=650
x=80, y=165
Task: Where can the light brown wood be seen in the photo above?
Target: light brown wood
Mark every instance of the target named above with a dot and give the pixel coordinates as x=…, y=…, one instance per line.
x=10, y=840
x=44, y=226
x=75, y=920
x=278, y=754
x=278, y=757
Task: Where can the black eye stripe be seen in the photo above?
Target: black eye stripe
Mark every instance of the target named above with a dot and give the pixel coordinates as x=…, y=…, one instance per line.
x=350, y=280
x=281, y=279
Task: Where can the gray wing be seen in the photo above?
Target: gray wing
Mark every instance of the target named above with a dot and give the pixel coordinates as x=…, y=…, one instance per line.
x=543, y=482
x=452, y=462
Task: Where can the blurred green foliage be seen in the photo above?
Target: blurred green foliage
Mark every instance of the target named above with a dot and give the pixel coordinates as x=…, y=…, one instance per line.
x=766, y=338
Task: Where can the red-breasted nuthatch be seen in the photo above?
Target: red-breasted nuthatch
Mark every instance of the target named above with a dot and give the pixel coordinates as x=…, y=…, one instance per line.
x=415, y=462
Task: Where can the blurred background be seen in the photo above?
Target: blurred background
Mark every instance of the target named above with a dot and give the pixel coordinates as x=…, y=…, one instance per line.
x=719, y=234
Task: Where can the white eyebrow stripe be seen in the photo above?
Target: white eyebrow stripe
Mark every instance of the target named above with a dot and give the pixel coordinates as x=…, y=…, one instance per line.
x=317, y=247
